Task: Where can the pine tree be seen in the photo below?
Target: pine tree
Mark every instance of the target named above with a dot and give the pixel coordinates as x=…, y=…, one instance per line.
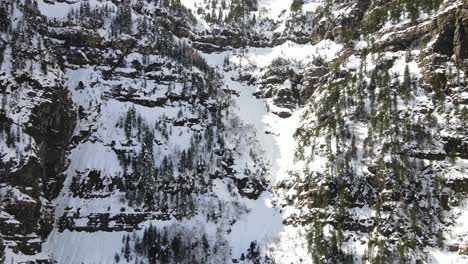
x=127, y=250
x=413, y=10
x=297, y=5
x=406, y=83
x=123, y=19
x=4, y=19
x=2, y=250
x=176, y=246
x=440, y=238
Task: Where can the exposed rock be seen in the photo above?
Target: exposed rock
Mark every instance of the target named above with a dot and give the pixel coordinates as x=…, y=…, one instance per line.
x=463, y=248
x=461, y=36
x=250, y=187
x=39, y=179
x=78, y=37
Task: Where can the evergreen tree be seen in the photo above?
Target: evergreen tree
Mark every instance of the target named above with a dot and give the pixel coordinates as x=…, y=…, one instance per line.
x=123, y=19
x=126, y=249
x=4, y=19
x=297, y=5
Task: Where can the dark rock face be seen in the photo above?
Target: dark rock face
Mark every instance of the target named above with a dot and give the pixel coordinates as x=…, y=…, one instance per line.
x=341, y=28
x=51, y=125
x=227, y=39
x=149, y=103
x=79, y=38
x=459, y=185
x=298, y=28
x=250, y=187
x=314, y=74
x=344, y=200
x=107, y=222
x=281, y=83
x=456, y=146
x=463, y=249
x=443, y=27
x=461, y=36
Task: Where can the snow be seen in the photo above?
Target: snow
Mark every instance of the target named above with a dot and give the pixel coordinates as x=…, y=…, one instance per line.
x=58, y=10
x=264, y=223
x=353, y=62
x=311, y=6
x=299, y=53
x=14, y=194
x=94, y=155
x=444, y=257
x=256, y=220
x=83, y=247
x=201, y=25
x=400, y=64
x=273, y=8
x=18, y=257
x=262, y=57
x=342, y=12
x=360, y=45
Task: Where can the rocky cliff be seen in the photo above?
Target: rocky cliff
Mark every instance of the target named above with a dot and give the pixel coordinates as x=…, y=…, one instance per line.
x=233, y=131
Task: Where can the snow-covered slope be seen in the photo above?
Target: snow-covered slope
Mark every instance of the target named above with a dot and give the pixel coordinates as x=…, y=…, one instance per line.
x=233, y=131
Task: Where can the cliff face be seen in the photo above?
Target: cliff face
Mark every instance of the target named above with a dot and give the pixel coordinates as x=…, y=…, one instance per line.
x=28, y=188
x=37, y=122
x=383, y=137
x=269, y=131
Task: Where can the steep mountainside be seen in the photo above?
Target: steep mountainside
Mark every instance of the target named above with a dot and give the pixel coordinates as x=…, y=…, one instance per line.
x=233, y=131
